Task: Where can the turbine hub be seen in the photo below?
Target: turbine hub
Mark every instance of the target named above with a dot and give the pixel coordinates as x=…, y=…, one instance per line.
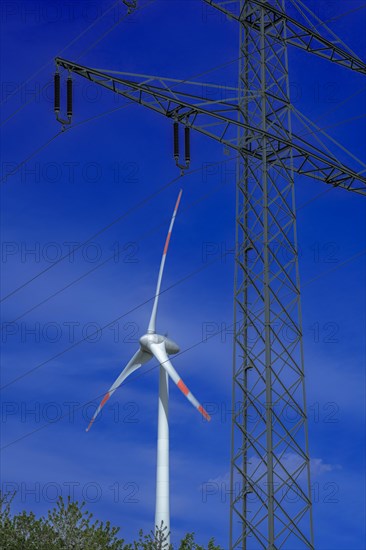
x=146, y=340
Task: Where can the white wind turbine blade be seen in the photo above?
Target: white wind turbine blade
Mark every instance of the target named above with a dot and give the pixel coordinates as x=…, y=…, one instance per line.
x=152, y=323
x=139, y=359
x=159, y=351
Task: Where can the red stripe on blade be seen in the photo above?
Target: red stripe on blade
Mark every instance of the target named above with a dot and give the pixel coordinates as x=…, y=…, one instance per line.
x=181, y=385
x=167, y=243
x=178, y=201
x=204, y=413
x=105, y=399
x=90, y=424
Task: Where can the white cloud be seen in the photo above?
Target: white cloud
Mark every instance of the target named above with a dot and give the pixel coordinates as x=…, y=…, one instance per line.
x=291, y=462
x=319, y=467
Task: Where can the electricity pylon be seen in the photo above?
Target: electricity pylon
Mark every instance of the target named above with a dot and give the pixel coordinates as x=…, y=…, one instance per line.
x=270, y=463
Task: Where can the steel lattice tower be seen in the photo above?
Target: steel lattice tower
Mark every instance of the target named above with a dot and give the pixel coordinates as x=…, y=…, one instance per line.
x=270, y=504
x=270, y=474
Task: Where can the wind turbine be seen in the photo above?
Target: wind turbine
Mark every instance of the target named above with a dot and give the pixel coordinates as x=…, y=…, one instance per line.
x=155, y=345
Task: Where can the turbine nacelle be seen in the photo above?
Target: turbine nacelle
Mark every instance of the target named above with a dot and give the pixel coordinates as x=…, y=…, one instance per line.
x=146, y=340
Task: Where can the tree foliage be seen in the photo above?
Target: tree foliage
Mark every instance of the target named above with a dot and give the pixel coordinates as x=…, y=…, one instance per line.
x=68, y=526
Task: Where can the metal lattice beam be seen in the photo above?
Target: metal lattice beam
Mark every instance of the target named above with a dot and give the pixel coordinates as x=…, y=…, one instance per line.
x=218, y=120
x=297, y=34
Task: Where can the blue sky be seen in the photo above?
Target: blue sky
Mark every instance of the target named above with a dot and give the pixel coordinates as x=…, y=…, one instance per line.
x=96, y=173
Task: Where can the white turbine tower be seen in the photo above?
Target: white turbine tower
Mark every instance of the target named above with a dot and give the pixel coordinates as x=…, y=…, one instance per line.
x=160, y=347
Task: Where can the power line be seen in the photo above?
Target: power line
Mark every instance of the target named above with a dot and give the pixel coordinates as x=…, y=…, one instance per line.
x=75, y=281
x=105, y=34
x=148, y=371
x=185, y=278
x=46, y=144
x=66, y=129
x=57, y=355
x=42, y=147
x=118, y=219
x=60, y=52
x=110, y=224
x=332, y=269
x=99, y=232
x=337, y=17
x=78, y=57
x=27, y=159
x=111, y=257
x=336, y=38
